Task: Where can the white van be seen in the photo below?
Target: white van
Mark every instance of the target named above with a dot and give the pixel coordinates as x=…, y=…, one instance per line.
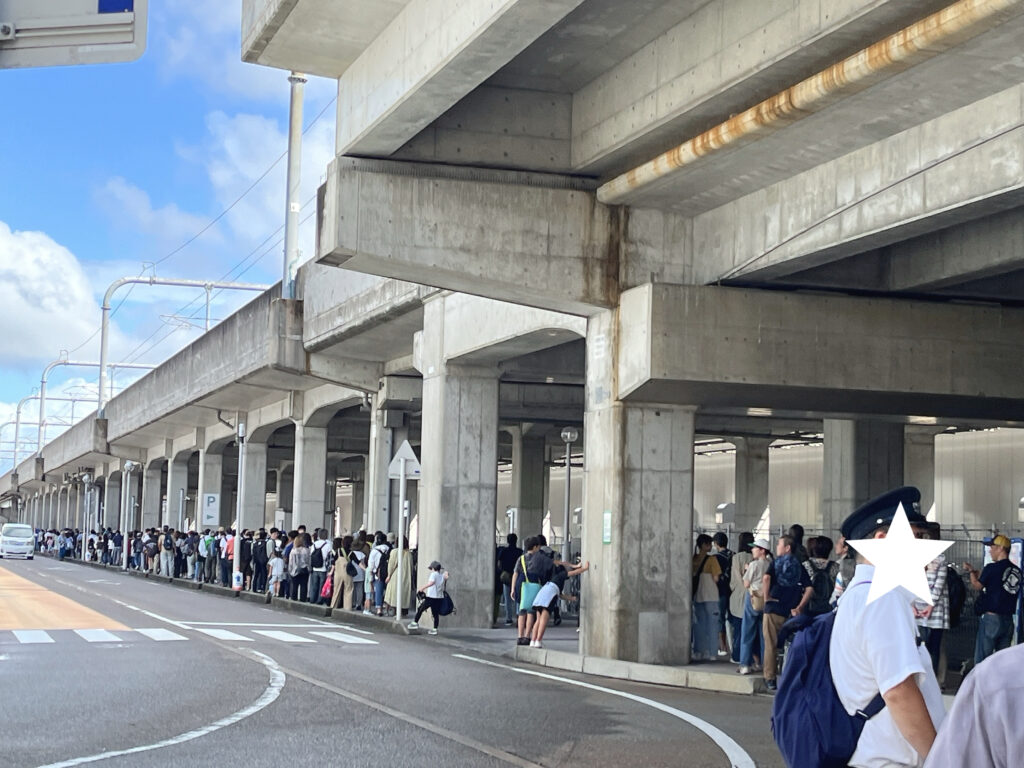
x=17, y=540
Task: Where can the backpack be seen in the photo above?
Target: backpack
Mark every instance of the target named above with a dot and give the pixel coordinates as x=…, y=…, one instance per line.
x=957, y=595
x=189, y=548
x=317, y=557
x=382, y=567
x=151, y=548
x=168, y=542
x=811, y=727
x=823, y=584
x=787, y=571
x=259, y=552
x=725, y=562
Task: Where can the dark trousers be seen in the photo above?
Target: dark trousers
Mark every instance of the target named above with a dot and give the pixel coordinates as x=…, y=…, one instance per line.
x=433, y=603
x=299, y=586
x=259, y=577
x=933, y=642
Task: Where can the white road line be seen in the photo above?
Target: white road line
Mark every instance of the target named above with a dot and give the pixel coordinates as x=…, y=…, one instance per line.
x=249, y=624
x=97, y=636
x=223, y=634
x=161, y=635
x=738, y=757
x=285, y=637
x=29, y=636
x=268, y=697
x=350, y=628
x=343, y=638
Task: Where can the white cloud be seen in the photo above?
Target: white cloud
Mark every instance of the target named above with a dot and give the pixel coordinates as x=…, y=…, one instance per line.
x=131, y=207
x=202, y=41
x=239, y=149
x=47, y=300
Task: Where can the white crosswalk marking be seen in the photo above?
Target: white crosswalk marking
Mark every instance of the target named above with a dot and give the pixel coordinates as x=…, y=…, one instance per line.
x=97, y=636
x=286, y=637
x=343, y=638
x=161, y=635
x=223, y=634
x=29, y=636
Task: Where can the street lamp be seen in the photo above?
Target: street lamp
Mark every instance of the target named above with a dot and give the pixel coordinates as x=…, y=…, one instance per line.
x=569, y=436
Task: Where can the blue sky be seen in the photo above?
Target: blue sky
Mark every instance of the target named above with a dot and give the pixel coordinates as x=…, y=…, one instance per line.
x=107, y=167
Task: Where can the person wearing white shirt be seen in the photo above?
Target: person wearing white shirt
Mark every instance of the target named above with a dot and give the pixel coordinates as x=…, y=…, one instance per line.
x=434, y=591
x=874, y=650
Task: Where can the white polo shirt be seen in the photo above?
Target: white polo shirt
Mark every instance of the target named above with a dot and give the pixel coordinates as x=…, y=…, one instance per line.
x=873, y=649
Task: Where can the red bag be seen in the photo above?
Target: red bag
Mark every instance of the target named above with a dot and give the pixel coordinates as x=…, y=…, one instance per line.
x=328, y=586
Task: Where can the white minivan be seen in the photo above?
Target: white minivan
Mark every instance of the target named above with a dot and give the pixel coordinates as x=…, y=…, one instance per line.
x=17, y=540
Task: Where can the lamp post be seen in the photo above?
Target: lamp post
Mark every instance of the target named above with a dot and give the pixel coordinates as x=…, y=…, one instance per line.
x=569, y=436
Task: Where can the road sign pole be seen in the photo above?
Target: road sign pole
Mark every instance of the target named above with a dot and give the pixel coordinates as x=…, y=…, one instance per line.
x=236, y=572
x=401, y=539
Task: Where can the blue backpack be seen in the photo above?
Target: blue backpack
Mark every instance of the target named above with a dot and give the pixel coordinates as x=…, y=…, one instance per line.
x=811, y=727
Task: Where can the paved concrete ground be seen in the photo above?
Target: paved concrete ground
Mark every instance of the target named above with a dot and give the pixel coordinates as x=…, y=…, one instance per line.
x=348, y=694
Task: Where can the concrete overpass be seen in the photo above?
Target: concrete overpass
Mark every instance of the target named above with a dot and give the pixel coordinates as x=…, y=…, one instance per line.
x=654, y=219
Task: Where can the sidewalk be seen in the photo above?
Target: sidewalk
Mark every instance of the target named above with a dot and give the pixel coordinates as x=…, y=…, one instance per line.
x=560, y=651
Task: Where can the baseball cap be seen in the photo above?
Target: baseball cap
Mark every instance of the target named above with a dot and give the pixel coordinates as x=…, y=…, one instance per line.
x=999, y=540
x=762, y=543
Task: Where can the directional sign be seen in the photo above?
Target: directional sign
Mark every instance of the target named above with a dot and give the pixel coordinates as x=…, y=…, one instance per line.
x=412, y=464
x=43, y=33
x=211, y=509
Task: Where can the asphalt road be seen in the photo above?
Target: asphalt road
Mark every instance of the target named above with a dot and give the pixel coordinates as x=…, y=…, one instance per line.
x=200, y=679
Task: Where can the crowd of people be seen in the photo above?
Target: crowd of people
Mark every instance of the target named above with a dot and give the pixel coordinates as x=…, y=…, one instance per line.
x=742, y=599
x=532, y=583
x=356, y=573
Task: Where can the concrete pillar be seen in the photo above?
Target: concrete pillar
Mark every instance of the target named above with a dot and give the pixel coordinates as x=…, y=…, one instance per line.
x=211, y=478
x=131, y=490
x=751, y=480
x=861, y=460
x=358, y=501
x=459, y=484
x=254, y=500
x=112, y=501
x=919, y=462
x=378, y=493
x=530, y=482
x=310, y=476
x=152, y=496
x=177, y=483
x=79, y=506
x=637, y=519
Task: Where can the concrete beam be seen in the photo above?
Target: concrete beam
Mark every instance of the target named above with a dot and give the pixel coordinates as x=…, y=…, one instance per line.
x=725, y=57
x=517, y=128
x=971, y=251
x=729, y=347
x=431, y=55
x=961, y=166
x=526, y=238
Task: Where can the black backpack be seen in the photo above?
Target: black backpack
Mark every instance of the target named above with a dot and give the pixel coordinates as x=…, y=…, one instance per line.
x=259, y=552
x=823, y=584
x=725, y=579
x=316, y=558
x=168, y=542
x=957, y=595
x=189, y=548
x=382, y=567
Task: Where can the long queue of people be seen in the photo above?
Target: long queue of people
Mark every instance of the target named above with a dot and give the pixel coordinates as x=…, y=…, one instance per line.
x=356, y=573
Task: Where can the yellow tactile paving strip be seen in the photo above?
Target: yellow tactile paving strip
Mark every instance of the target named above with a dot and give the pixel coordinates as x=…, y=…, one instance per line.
x=26, y=605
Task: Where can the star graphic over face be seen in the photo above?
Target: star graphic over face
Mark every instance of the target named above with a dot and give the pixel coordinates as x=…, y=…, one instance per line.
x=900, y=559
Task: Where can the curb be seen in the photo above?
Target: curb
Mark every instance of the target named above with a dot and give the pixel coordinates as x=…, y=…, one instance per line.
x=694, y=677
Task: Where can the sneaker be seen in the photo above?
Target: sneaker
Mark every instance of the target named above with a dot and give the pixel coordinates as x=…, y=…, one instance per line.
x=755, y=667
x=771, y=685
x=533, y=643
x=723, y=653
x=367, y=613
x=697, y=657
x=413, y=625
x=523, y=641
x=537, y=644
x=744, y=670
x=509, y=622
x=431, y=631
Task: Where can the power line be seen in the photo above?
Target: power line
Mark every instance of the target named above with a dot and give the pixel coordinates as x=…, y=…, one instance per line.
x=209, y=225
